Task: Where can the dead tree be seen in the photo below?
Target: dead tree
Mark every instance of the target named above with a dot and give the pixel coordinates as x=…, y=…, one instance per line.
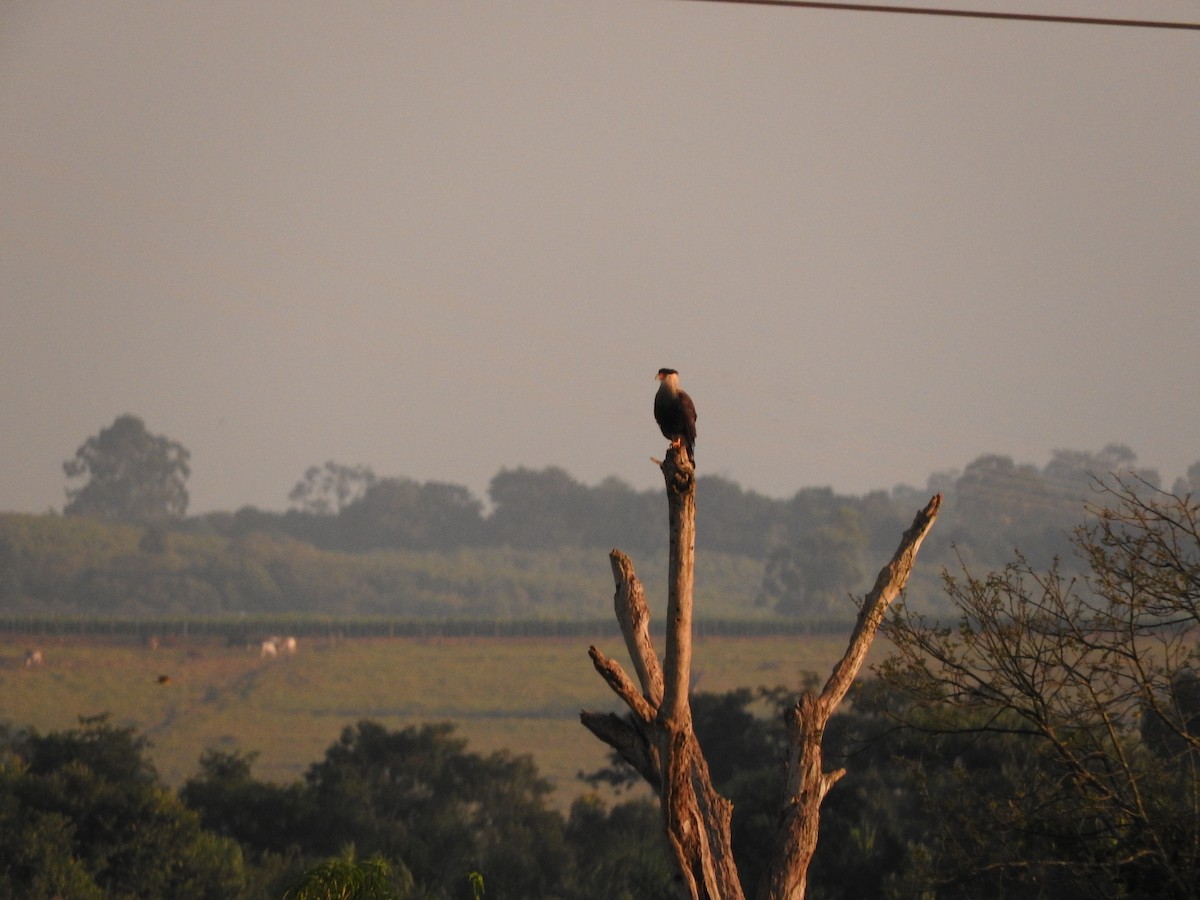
x=657, y=737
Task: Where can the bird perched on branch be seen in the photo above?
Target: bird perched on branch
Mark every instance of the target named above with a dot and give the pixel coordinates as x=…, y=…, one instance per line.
x=675, y=413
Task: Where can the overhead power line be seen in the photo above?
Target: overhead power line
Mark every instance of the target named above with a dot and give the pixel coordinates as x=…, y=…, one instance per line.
x=964, y=13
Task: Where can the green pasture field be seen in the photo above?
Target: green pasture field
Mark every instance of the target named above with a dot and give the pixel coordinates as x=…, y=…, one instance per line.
x=522, y=694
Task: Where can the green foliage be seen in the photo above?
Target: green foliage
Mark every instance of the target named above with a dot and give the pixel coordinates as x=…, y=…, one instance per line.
x=69, y=564
x=45, y=559
x=132, y=475
x=619, y=853
x=817, y=574
x=84, y=816
x=418, y=796
x=402, y=513
x=37, y=848
x=267, y=818
x=327, y=490
x=534, y=510
x=1081, y=693
x=433, y=820
x=346, y=878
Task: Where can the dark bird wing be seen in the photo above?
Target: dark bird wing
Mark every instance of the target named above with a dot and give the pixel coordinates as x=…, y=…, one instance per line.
x=688, y=430
x=666, y=414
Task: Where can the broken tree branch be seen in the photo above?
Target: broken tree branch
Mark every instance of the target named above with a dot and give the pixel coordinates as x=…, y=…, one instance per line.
x=807, y=781
x=633, y=616
x=611, y=671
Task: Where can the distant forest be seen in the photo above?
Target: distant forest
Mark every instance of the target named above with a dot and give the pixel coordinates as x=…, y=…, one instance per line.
x=354, y=543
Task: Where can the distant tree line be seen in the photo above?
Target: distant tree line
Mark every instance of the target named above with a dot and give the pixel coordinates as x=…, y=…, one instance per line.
x=809, y=551
x=814, y=546
x=67, y=567
x=139, y=478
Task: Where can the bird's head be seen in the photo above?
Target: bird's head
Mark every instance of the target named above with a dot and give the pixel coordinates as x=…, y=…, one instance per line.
x=665, y=375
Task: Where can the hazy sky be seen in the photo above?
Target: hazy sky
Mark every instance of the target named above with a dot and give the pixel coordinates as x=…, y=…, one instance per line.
x=442, y=238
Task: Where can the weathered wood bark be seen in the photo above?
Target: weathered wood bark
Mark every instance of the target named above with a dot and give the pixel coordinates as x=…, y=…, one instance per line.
x=807, y=781
x=657, y=738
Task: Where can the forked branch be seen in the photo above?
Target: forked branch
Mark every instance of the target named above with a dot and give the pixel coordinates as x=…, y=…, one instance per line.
x=657, y=738
x=807, y=781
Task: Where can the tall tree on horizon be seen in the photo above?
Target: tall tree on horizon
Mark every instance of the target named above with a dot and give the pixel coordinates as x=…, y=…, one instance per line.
x=132, y=475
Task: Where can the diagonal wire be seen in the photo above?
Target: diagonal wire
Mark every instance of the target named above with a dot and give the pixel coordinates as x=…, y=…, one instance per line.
x=965, y=13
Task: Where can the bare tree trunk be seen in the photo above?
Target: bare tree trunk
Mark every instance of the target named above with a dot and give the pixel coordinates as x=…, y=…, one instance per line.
x=657, y=739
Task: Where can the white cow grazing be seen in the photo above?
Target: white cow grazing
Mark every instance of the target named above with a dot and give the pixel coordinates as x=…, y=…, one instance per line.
x=289, y=645
x=269, y=649
x=33, y=658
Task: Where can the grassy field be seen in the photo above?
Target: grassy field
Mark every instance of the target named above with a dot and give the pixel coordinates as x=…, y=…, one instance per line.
x=520, y=694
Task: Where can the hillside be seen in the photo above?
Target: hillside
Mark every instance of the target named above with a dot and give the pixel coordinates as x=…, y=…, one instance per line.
x=406, y=550
x=70, y=565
